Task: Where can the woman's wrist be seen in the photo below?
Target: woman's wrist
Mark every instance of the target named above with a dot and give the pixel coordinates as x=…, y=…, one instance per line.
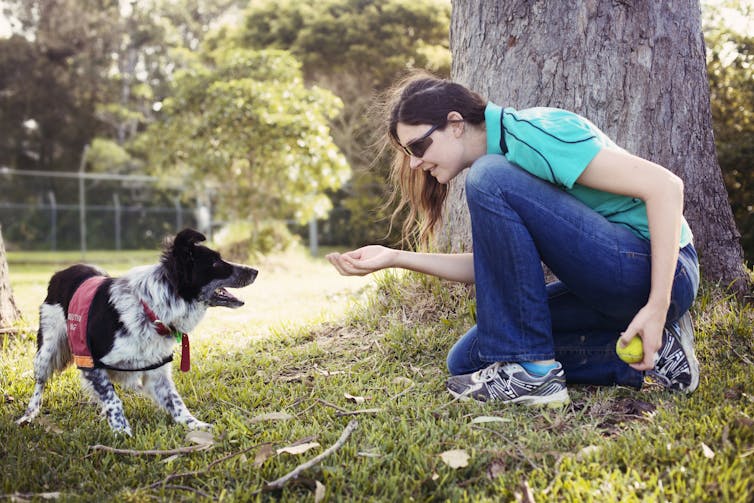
x=659, y=303
x=398, y=259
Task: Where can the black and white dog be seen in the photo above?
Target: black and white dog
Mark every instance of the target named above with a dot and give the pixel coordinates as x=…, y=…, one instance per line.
x=125, y=329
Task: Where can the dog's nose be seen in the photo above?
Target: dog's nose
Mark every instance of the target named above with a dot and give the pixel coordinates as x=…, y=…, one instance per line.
x=251, y=275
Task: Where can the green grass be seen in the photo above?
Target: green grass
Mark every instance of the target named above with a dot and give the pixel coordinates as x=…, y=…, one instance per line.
x=388, y=345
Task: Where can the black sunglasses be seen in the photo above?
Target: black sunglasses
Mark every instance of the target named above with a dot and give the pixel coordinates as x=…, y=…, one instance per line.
x=419, y=146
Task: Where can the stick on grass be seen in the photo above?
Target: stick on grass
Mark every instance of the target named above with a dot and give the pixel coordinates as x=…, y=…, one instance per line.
x=357, y=412
x=153, y=452
x=201, y=471
x=280, y=483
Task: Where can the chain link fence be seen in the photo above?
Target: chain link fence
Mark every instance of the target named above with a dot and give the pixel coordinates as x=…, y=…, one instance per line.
x=56, y=227
x=55, y=211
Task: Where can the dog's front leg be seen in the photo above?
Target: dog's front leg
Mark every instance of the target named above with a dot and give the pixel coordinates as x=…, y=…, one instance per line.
x=102, y=388
x=159, y=385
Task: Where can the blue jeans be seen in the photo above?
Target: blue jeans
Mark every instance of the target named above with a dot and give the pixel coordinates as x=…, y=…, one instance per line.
x=603, y=268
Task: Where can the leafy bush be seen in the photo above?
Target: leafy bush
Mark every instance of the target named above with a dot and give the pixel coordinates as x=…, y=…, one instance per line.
x=246, y=241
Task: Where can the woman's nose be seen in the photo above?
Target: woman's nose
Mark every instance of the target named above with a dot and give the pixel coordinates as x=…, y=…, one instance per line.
x=414, y=162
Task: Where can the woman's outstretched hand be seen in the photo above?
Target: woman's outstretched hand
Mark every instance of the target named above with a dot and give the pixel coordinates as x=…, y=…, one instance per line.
x=363, y=261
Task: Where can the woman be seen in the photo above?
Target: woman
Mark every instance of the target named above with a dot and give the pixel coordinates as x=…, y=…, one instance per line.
x=544, y=185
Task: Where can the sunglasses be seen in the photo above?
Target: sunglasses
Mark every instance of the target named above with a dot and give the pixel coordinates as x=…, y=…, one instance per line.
x=419, y=146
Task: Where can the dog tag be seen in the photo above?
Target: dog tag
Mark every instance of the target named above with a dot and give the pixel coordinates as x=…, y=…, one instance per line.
x=185, y=354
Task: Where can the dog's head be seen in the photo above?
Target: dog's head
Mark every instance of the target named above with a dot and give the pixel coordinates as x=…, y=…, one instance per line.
x=199, y=274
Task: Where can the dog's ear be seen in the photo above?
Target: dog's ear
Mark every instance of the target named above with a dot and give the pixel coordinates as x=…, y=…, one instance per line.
x=178, y=255
x=187, y=238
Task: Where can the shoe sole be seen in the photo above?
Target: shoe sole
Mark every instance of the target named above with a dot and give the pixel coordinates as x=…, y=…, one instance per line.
x=686, y=329
x=685, y=337
x=554, y=400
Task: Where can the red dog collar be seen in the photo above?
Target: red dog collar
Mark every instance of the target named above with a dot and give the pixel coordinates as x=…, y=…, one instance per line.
x=163, y=329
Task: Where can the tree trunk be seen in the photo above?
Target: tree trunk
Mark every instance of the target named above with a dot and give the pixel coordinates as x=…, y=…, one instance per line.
x=9, y=313
x=636, y=68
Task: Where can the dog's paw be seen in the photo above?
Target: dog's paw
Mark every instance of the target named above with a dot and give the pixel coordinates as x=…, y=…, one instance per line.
x=123, y=431
x=199, y=425
x=24, y=420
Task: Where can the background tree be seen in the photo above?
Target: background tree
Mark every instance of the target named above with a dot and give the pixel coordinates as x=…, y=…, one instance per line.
x=242, y=125
x=356, y=49
x=54, y=73
x=9, y=313
x=89, y=72
x=635, y=69
x=95, y=65
x=730, y=65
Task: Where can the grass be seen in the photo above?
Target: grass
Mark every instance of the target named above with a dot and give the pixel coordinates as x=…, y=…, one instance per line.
x=383, y=342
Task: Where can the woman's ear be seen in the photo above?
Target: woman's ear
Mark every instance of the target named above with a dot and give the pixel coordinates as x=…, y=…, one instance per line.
x=454, y=116
x=455, y=121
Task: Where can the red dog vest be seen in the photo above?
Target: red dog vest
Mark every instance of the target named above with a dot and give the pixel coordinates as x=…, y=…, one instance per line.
x=78, y=316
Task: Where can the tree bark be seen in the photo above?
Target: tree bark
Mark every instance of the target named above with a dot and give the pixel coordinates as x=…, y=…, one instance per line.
x=9, y=313
x=636, y=68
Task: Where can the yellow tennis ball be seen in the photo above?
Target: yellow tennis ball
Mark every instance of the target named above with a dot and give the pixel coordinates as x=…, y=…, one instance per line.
x=633, y=352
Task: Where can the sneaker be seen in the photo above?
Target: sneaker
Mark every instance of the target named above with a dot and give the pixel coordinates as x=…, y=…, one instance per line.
x=676, y=366
x=512, y=384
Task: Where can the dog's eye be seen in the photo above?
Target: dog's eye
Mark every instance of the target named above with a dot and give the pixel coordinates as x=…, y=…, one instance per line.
x=219, y=266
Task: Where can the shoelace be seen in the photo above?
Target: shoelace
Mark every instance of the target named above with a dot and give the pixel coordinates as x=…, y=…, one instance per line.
x=667, y=350
x=489, y=373
x=661, y=372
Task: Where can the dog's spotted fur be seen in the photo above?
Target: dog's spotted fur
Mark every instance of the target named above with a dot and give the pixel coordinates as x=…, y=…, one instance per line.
x=188, y=279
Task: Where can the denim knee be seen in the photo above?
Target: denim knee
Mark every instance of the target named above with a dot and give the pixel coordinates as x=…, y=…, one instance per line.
x=494, y=171
x=484, y=168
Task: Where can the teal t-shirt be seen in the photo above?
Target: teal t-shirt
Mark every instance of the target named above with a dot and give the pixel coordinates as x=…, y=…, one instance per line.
x=557, y=145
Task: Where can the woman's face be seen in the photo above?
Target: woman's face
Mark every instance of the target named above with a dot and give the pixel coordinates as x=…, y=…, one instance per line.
x=442, y=157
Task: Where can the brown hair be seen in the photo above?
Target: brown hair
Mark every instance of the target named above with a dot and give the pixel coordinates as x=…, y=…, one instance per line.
x=422, y=98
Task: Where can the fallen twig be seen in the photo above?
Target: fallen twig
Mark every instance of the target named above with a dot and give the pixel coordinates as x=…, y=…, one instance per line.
x=394, y=397
x=174, y=476
x=459, y=397
x=303, y=412
x=279, y=483
x=521, y=453
x=153, y=452
x=236, y=406
x=744, y=358
x=356, y=412
x=325, y=402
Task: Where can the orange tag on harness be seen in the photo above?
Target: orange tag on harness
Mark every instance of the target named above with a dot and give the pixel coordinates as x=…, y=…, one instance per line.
x=83, y=361
x=185, y=354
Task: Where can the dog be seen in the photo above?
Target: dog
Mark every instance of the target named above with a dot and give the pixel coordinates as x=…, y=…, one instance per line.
x=125, y=329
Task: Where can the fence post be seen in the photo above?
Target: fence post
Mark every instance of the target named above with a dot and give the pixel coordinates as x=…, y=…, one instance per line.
x=178, y=214
x=116, y=204
x=53, y=221
x=82, y=203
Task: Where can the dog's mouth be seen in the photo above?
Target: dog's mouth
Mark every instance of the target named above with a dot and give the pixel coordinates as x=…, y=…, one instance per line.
x=215, y=293
x=222, y=297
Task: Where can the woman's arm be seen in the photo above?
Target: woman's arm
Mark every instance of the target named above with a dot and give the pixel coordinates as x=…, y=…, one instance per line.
x=454, y=267
x=662, y=192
